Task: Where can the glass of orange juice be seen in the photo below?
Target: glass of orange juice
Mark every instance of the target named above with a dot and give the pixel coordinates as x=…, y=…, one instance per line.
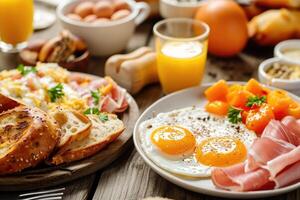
x=181, y=46
x=16, y=24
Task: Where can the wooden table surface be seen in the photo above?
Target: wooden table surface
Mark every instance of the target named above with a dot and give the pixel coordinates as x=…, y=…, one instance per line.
x=128, y=177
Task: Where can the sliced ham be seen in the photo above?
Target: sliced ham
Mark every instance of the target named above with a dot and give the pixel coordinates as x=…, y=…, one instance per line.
x=236, y=179
x=288, y=176
x=279, y=163
x=282, y=131
x=259, y=155
x=273, y=160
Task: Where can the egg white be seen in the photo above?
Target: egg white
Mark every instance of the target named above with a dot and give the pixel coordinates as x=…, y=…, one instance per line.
x=203, y=125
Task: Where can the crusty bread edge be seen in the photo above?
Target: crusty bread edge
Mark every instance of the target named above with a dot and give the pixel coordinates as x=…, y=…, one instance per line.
x=70, y=156
x=20, y=156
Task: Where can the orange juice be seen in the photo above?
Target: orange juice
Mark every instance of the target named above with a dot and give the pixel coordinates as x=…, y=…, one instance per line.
x=180, y=64
x=16, y=19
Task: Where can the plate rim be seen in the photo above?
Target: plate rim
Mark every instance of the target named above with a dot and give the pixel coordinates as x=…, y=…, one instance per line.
x=71, y=171
x=178, y=181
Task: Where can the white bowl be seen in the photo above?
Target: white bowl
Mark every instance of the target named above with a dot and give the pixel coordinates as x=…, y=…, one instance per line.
x=287, y=44
x=107, y=38
x=170, y=9
x=290, y=85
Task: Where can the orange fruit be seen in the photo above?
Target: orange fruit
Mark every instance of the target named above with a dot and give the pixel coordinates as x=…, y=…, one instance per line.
x=228, y=26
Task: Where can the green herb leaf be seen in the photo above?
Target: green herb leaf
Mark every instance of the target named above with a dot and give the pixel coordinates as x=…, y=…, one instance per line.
x=103, y=117
x=92, y=111
x=26, y=70
x=56, y=92
x=95, y=96
x=256, y=101
x=234, y=115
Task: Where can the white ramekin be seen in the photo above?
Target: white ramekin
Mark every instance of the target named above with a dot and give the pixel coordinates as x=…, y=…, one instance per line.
x=290, y=85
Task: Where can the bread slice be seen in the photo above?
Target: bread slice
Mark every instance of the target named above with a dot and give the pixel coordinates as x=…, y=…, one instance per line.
x=102, y=133
x=7, y=103
x=27, y=137
x=73, y=125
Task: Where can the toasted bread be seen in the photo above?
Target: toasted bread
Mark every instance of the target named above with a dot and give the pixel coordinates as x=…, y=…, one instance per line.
x=102, y=133
x=27, y=137
x=7, y=103
x=73, y=125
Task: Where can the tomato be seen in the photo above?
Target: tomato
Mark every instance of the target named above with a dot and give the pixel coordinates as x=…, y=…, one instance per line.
x=256, y=88
x=280, y=103
x=239, y=98
x=257, y=119
x=294, y=110
x=217, y=107
x=244, y=116
x=217, y=92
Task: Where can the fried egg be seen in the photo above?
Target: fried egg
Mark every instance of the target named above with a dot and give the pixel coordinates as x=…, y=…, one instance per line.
x=190, y=141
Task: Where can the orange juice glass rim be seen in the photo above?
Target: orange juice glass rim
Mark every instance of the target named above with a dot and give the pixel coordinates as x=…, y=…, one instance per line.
x=200, y=37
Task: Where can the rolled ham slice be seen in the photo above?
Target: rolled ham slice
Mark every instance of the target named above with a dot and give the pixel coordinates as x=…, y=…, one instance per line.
x=265, y=149
x=279, y=163
x=235, y=178
x=287, y=176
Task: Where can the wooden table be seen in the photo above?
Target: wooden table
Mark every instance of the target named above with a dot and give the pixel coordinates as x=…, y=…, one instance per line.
x=129, y=178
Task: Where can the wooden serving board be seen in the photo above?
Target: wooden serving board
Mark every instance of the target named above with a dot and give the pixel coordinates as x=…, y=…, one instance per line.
x=54, y=175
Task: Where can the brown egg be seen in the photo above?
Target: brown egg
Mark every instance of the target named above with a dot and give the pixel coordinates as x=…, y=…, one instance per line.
x=101, y=21
x=103, y=9
x=84, y=9
x=120, y=14
x=90, y=18
x=74, y=16
x=120, y=5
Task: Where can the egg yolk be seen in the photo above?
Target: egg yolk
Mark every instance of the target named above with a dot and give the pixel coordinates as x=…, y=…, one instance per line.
x=174, y=140
x=221, y=152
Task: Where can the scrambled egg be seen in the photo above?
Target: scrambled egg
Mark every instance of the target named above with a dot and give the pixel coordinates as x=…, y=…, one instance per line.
x=32, y=88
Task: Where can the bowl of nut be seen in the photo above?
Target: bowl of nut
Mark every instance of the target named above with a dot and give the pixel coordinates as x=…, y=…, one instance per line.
x=105, y=25
x=280, y=73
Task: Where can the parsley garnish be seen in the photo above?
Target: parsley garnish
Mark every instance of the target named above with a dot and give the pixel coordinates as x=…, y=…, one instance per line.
x=103, y=117
x=56, y=92
x=95, y=111
x=256, y=101
x=26, y=70
x=96, y=97
x=234, y=115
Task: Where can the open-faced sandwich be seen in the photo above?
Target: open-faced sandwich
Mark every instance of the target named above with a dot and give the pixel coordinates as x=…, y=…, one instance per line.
x=246, y=138
x=49, y=114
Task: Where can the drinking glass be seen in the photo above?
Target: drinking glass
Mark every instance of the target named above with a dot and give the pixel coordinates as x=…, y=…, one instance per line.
x=181, y=46
x=16, y=24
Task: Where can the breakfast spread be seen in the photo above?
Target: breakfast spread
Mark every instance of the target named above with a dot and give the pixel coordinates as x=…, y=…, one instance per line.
x=226, y=140
x=134, y=70
x=64, y=116
x=233, y=136
x=100, y=11
x=283, y=71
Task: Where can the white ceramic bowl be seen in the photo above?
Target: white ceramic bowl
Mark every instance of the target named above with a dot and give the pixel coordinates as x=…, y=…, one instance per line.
x=107, y=38
x=290, y=85
x=170, y=9
x=287, y=44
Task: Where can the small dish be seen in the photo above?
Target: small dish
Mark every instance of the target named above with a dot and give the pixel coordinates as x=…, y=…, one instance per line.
x=106, y=38
x=281, y=49
x=290, y=85
x=174, y=8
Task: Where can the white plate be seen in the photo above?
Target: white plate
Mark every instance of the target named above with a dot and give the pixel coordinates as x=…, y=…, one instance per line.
x=181, y=99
